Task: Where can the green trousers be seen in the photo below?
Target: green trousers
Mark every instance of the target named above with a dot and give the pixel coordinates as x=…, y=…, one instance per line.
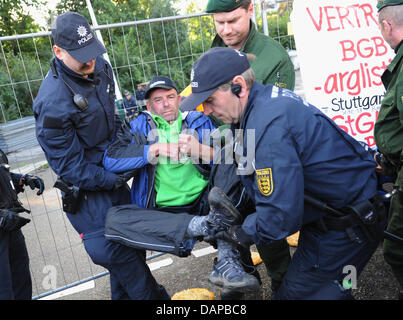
x=392, y=250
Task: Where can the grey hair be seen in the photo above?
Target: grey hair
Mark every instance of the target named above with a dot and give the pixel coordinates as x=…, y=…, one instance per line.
x=393, y=14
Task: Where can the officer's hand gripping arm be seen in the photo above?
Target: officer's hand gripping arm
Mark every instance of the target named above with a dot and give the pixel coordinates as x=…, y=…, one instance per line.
x=33, y=182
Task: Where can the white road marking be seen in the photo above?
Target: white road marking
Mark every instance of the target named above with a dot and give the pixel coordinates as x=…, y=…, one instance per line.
x=204, y=251
x=159, y=264
x=81, y=287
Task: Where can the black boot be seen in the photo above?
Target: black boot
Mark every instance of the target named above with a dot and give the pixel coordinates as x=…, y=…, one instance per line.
x=223, y=215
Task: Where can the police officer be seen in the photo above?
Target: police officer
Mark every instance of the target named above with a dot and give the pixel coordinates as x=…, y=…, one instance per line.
x=15, y=278
x=235, y=29
x=75, y=121
x=389, y=128
x=299, y=154
x=130, y=104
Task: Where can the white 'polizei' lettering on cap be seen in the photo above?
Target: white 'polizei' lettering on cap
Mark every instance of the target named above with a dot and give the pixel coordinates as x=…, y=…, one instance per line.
x=155, y=83
x=85, y=39
x=83, y=33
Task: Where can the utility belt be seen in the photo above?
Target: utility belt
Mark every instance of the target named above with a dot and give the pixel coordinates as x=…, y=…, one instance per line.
x=368, y=215
x=71, y=195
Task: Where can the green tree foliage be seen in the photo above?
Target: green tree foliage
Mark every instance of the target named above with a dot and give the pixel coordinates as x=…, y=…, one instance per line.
x=137, y=52
x=20, y=72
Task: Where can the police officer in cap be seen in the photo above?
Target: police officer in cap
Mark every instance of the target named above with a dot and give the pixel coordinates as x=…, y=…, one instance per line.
x=388, y=130
x=294, y=176
x=271, y=64
x=15, y=278
x=75, y=121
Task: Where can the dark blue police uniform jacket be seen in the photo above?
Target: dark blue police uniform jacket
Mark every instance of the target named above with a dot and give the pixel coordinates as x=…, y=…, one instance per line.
x=300, y=150
x=74, y=142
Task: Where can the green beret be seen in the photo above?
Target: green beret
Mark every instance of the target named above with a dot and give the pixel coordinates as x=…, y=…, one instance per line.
x=384, y=3
x=214, y=6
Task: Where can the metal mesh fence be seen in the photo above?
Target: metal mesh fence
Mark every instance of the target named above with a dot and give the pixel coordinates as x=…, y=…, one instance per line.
x=137, y=50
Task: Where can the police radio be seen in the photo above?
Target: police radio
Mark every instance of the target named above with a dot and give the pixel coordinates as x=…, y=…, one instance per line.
x=79, y=100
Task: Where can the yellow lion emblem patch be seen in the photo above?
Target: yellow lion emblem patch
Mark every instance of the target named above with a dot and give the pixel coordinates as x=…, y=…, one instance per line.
x=264, y=179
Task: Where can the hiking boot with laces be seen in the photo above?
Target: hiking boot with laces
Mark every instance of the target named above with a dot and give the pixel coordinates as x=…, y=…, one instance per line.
x=223, y=215
x=228, y=273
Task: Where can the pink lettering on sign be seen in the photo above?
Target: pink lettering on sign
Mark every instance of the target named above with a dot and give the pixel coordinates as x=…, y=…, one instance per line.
x=362, y=124
x=332, y=18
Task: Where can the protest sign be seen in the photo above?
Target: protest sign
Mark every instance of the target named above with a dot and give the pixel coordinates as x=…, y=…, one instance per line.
x=342, y=56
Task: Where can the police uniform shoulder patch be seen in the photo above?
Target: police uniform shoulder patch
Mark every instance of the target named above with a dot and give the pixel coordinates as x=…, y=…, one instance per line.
x=264, y=178
x=281, y=84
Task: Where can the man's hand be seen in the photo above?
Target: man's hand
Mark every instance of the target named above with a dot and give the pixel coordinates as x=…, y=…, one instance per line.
x=190, y=146
x=168, y=150
x=33, y=182
x=234, y=235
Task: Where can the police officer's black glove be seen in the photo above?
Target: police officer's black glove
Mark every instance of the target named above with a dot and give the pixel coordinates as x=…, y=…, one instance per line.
x=33, y=182
x=234, y=235
x=11, y=221
x=122, y=178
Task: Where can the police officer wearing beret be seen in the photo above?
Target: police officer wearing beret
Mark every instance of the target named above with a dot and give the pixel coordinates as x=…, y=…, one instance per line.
x=235, y=29
x=75, y=121
x=295, y=177
x=389, y=128
x=15, y=277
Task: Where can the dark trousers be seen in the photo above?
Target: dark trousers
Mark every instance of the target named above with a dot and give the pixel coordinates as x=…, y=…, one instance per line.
x=393, y=251
x=130, y=277
x=325, y=265
x=15, y=278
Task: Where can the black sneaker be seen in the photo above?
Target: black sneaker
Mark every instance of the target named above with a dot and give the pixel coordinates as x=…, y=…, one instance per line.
x=223, y=215
x=228, y=273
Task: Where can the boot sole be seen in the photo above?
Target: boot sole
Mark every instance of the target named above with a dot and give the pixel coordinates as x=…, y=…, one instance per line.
x=224, y=201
